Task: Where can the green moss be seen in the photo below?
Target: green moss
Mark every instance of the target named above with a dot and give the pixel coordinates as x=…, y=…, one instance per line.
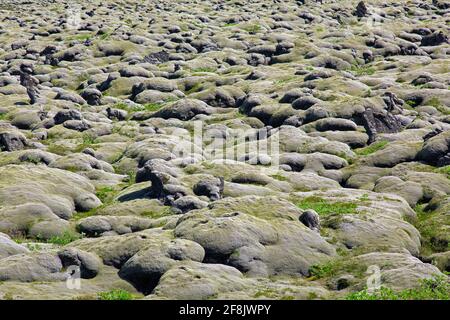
x=324, y=207
x=434, y=102
x=166, y=211
x=8, y=296
x=116, y=294
x=203, y=69
x=374, y=147
x=279, y=177
x=196, y=88
x=312, y=296
x=79, y=37
x=267, y=293
x=436, y=288
x=58, y=149
x=285, y=80
x=33, y=159
x=320, y=29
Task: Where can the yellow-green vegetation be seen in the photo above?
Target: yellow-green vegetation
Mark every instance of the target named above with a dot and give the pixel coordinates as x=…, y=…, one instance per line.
x=272, y=294
x=106, y=195
x=153, y=106
x=66, y=238
x=374, y=147
x=231, y=24
x=435, y=102
x=411, y=103
x=79, y=37
x=34, y=246
x=195, y=88
x=8, y=296
x=60, y=150
x=166, y=211
x=116, y=294
x=266, y=293
x=444, y=170
x=431, y=225
x=88, y=140
x=436, y=288
x=335, y=267
x=252, y=28
x=363, y=70
x=279, y=177
x=324, y=207
x=203, y=69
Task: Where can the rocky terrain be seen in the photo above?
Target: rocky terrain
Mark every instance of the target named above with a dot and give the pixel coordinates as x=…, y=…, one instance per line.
x=103, y=171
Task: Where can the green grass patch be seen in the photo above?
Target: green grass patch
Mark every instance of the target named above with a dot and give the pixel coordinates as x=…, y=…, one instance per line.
x=88, y=140
x=4, y=116
x=58, y=149
x=81, y=215
x=105, y=194
x=253, y=28
x=411, y=103
x=431, y=225
x=285, y=80
x=105, y=36
x=434, y=102
x=79, y=37
x=324, y=207
x=444, y=170
x=335, y=267
x=374, y=147
x=153, y=106
x=196, y=88
x=66, y=238
x=321, y=271
x=115, y=294
x=436, y=288
x=362, y=70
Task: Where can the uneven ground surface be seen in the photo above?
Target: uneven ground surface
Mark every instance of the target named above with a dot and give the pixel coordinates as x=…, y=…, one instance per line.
x=100, y=173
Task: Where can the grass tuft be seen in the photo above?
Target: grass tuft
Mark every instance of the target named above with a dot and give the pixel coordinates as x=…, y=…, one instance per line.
x=436, y=288
x=374, y=147
x=115, y=294
x=323, y=207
